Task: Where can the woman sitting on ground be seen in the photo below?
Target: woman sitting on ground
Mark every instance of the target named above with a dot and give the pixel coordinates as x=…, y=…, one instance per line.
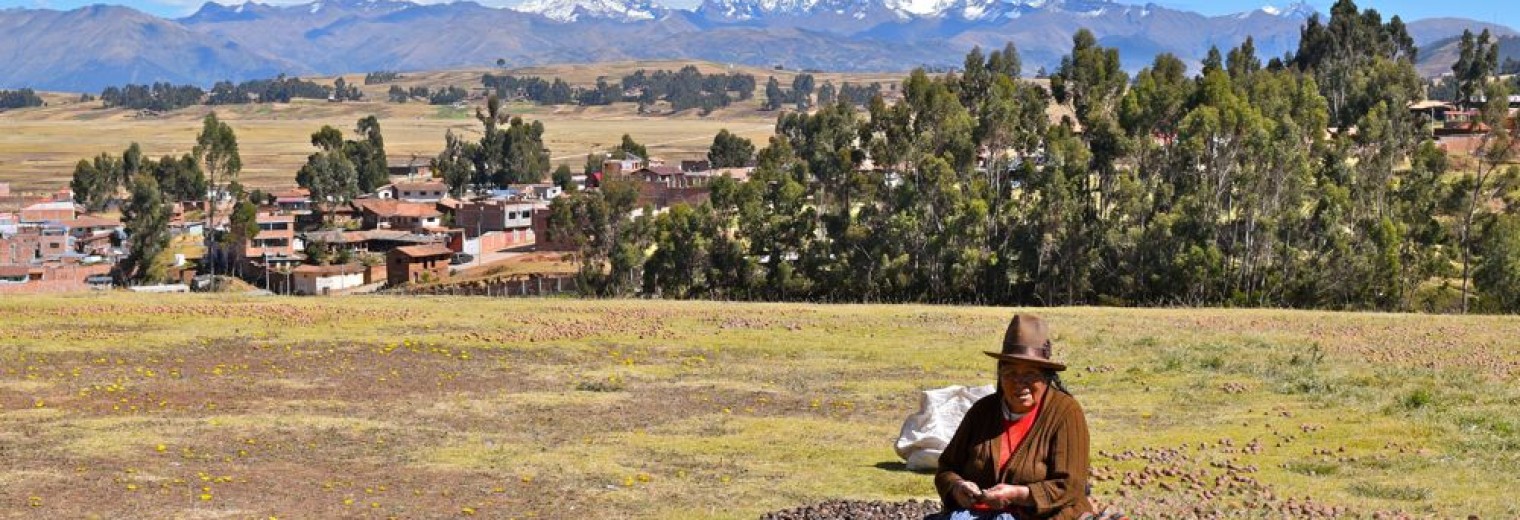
x=1020, y=453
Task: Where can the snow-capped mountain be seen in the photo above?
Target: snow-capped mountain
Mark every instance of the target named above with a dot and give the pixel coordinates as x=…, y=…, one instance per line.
x=258, y=40
x=758, y=9
x=1296, y=10
x=575, y=10
x=968, y=10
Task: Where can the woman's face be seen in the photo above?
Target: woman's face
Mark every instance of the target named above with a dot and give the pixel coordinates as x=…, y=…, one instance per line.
x=1023, y=385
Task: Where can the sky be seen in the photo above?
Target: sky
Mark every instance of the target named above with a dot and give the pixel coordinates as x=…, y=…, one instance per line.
x=1505, y=12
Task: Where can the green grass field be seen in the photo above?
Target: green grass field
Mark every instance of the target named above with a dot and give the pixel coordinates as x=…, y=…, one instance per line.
x=119, y=405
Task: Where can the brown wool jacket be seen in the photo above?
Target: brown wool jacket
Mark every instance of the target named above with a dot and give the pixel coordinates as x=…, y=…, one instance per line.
x=1052, y=460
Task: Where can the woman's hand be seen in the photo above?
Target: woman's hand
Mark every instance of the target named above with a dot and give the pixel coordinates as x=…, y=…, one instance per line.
x=1003, y=496
x=967, y=493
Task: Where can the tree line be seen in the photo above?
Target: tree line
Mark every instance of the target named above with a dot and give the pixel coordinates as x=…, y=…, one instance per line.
x=21, y=98
x=164, y=97
x=158, y=97
x=381, y=77
x=441, y=96
x=1300, y=182
x=684, y=89
x=802, y=95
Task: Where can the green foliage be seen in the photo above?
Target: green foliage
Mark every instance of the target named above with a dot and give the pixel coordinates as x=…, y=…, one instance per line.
x=160, y=97
x=368, y=155
x=627, y=146
x=511, y=155
x=802, y=91
x=244, y=224
x=729, y=150
x=342, y=91
x=281, y=89
x=1346, y=52
x=688, y=88
x=1498, y=271
x=1416, y=399
x=563, y=177
x=1313, y=468
x=318, y=253
x=381, y=77
x=1389, y=492
x=610, y=243
x=538, y=90
x=1477, y=60
x=95, y=182
x=329, y=173
x=774, y=97
x=22, y=98
x=1227, y=188
x=147, y=221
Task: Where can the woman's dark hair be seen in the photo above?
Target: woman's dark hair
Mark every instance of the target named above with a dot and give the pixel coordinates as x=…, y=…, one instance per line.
x=1054, y=378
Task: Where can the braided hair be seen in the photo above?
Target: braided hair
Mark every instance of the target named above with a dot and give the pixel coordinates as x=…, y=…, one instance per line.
x=1054, y=379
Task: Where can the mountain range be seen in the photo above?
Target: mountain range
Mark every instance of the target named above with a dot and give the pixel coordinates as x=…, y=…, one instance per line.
x=93, y=47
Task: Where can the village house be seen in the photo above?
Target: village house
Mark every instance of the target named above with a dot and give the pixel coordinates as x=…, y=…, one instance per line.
x=493, y=224
x=308, y=280
x=543, y=240
x=275, y=246
x=423, y=191
x=36, y=244
x=669, y=176
x=628, y=164
x=400, y=215
x=49, y=212
x=9, y=223
x=705, y=177
x=15, y=274
x=417, y=264
x=294, y=200
x=477, y=218
x=538, y=191
x=94, y=235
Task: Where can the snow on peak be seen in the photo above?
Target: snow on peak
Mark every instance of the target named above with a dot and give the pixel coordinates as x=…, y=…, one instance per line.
x=1293, y=10
x=315, y=7
x=572, y=10
x=921, y=7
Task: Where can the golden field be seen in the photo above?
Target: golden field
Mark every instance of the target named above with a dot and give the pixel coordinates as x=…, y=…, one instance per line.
x=39, y=146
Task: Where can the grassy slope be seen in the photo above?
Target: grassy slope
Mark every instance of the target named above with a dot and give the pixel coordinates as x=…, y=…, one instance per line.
x=423, y=407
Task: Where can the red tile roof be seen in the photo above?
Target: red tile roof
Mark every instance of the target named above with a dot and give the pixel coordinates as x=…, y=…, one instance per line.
x=424, y=251
x=91, y=221
x=395, y=208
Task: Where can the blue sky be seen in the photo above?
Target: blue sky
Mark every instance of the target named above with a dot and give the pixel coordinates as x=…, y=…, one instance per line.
x=1505, y=12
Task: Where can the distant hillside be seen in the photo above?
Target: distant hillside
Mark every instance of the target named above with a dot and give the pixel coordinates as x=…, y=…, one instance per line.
x=1437, y=58
x=89, y=48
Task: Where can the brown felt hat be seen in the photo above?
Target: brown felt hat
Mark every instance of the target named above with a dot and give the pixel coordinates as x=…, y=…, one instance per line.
x=1028, y=341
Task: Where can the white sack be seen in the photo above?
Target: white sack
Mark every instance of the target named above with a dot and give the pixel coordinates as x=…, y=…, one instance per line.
x=926, y=432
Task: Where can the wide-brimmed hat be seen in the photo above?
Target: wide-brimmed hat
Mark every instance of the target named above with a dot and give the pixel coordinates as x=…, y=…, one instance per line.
x=1028, y=341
